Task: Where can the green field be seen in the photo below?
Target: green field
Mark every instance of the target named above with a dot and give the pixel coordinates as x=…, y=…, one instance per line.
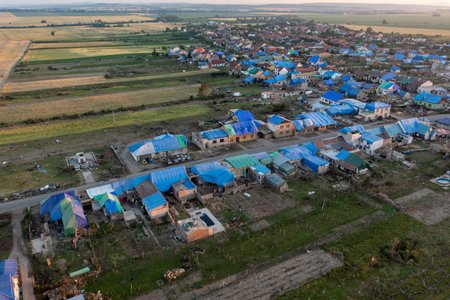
x=389, y=278
x=64, y=128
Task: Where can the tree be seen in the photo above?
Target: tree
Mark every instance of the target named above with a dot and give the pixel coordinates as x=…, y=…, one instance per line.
x=53, y=33
x=369, y=29
x=384, y=22
x=204, y=90
x=44, y=21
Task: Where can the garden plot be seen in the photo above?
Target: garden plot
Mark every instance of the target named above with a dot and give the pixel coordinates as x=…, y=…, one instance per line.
x=260, y=203
x=426, y=206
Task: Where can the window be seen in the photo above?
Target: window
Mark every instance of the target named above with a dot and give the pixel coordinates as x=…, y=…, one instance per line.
x=222, y=140
x=214, y=141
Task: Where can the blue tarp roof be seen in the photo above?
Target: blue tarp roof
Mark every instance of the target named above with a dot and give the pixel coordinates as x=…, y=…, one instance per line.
x=214, y=134
x=332, y=95
x=243, y=115
x=409, y=126
x=376, y=130
x=370, y=138
x=339, y=109
x=154, y=201
x=249, y=79
x=314, y=59
x=278, y=158
x=318, y=118
x=162, y=143
x=314, y=162
x=429, y=98
x=259, y=168
x=8, y=268
x=329, y=82
x=48, y=204
x=360, y=128
x=342, y=155
x=276, y=119
x=122, y=186
x=311, y=147
x=393, y=130
x=213, y=172
x=164, y=178
x=376, y=105
x=242, y=128
x=354, y=103
x=295, y=153
x=388, y=76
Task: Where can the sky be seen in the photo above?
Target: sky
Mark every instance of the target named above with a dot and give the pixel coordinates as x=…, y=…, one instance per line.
x=418, y=2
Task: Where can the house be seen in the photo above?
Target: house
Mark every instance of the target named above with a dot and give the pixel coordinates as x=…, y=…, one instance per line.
x=416, y=127
x=320, y=120
x=352, y=134
x=240, y=115
x=154, y=202
x=331, y=96
x=430, y=101
x=9, y=280
x=110, y=204
x=316, y=164
x=304, y=126
x=201, y=224
x=241, y=131
x=280, y=126
x=211, y=139
x=375, y=111
x=65, y=207
x=259, y=172
x=193, y=229
x=240, y=164
x=184, y=190
x=433, y=89
x=282, y=165
x=162, y=146
x=213, y=173
x=369, y=143
x=276, y=182
x=387, y=88
x=351, y=163
x=295, y=154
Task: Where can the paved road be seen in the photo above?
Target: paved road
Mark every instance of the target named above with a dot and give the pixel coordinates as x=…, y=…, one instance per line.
x=33, y=201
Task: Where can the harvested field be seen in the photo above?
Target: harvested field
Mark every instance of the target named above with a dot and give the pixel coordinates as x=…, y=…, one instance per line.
x=426, y=206
x=77, y=32
x=10, y=53
x=87, y=125
x=403, y=30
x=15, y=21
x=262, y=202
x=271, y=282
x=16, y=112
x=23, y=86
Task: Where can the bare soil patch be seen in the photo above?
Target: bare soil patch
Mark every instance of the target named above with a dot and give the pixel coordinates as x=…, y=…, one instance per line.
x=426, y=206
x=262, y=202
x=272, y=281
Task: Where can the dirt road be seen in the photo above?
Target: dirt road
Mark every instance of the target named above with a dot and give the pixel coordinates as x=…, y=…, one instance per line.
x=17, y=252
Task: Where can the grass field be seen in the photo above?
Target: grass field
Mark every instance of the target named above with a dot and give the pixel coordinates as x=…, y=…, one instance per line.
x=20, y=176
x=9, y=19
x=17, y=112
x=72, y=45
x=34, y=85
x=74, y=33
x=402, y=30
x=64, y=128
x=10, y=53
x=425, y=21
x=426, y=278
x=85, y=52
